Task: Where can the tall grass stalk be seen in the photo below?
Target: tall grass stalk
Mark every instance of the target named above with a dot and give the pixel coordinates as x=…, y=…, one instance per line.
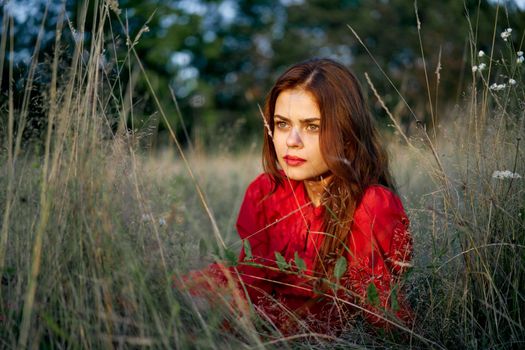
x=45, y=199
x=10, y=123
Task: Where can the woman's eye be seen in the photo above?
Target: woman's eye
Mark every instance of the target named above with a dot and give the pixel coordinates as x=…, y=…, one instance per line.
x=312, y=127
x=281, y=124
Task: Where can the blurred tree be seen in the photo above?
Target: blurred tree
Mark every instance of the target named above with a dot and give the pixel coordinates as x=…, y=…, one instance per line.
x=226, y=54
x=220, y=57
x=28, y=33
x=389, y=30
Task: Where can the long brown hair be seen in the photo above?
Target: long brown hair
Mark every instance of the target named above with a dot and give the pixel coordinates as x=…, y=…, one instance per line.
x=349, y=144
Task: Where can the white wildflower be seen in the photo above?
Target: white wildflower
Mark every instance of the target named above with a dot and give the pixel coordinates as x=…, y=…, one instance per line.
x=520, y=59
x=481, y=53
x=113, y=4
x=482, y=66
x=512, y=82
x=162, y=222
x=474, y=69
x=497, y=87
x=506, y=34
x=505, y=174
x=520, y=53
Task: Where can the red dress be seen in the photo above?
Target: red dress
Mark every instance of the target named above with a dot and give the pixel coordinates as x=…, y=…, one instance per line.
x=286, y=222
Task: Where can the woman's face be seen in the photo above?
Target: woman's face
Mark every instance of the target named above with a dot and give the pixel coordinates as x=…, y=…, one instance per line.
x=297, y=122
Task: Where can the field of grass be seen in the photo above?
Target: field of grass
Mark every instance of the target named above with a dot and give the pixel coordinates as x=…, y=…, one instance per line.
x=93, y=228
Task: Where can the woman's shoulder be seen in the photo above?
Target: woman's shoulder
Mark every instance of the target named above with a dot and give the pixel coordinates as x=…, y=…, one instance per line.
x=262, y=183
x=259, y=188
x=379, y=200
x=381, y=214
x=265, y=187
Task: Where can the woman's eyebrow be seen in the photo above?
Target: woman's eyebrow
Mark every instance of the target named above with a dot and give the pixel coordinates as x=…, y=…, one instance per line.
x=306, y=120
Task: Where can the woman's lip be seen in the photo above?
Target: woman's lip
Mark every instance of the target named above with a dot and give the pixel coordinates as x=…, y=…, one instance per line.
x=293, y=161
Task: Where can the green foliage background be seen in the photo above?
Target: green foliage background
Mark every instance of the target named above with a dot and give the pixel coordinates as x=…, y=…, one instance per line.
x=221, y=57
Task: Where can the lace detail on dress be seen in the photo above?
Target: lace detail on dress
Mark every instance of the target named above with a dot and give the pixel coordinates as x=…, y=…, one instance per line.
x=401, y=250
x=384, y=273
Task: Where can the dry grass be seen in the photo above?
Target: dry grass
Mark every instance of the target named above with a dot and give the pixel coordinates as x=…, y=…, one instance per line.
x=93, y=229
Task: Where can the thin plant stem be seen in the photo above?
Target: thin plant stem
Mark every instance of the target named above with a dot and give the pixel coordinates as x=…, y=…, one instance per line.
x=45, y=203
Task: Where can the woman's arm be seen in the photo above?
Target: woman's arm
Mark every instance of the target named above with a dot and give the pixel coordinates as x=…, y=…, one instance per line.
x=252, y=227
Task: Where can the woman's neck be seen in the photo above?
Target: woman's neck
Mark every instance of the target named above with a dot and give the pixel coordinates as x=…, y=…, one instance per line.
x=315, y=189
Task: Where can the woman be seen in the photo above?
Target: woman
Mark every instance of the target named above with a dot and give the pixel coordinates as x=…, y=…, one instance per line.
x=326, y=237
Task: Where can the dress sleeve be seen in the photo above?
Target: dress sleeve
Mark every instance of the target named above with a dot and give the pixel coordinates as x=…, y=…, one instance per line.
x=381, y=251
x=251, y=226
x=251, y=221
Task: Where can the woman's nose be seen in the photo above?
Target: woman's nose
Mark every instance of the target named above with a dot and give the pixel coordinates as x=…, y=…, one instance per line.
x=294, y=138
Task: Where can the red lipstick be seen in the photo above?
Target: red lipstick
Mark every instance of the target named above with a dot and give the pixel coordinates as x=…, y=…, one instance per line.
x=294, y=161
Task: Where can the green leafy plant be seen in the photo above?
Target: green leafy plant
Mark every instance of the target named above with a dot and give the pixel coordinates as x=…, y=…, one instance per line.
x=299, y=262
x=247, y=249
x=340, y=267
x=281, y=262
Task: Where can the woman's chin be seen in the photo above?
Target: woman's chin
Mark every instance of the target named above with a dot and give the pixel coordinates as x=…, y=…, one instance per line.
x=293, y=174
x=299, y=175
